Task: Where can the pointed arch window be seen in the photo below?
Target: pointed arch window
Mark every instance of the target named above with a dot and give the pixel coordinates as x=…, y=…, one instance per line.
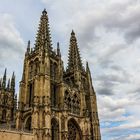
x=31, y=70
x=30, y=93
x=53, y=70
x=72, y=102
x=53, y=95
x=28, y=124
x=74, y=131
x=36, y=67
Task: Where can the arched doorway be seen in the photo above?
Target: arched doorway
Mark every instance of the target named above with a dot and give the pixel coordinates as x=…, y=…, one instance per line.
x=74, y=131
x=55, y=129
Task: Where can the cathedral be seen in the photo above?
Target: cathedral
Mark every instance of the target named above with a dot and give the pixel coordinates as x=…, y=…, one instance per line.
x=55, y=103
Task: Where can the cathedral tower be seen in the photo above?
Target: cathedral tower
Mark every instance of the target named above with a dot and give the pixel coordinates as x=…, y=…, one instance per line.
x=56, y=104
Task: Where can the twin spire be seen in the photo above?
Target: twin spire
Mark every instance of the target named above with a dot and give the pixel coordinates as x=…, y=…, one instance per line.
x=43, y=39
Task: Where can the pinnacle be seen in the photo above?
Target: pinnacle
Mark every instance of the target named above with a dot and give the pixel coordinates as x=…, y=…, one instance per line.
x=8, y=85
x=28, y=46
x=13, y=75
x=28, y=42
x=4, y=76
x=87, y=67
x=44, y=12
x=72, y=33
x=13, y=82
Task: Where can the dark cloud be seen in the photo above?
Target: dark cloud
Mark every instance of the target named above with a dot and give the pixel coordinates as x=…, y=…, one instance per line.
x=116, y=67
x=113, y=79
x=107, y=83
x=106, y=62
x=119, y=18
x=6, y=44
x=133, y=33
x=105, y=91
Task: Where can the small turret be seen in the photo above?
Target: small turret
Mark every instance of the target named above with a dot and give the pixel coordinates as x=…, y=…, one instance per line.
x=13, y=82
x=58, y=50
x=28, y=47
x=4, y=80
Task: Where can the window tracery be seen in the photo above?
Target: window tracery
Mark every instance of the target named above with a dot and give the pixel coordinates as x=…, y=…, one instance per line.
x=53, y=70
x=31, y=70
x=53, y=95
x=74, y=132
x=72, y=102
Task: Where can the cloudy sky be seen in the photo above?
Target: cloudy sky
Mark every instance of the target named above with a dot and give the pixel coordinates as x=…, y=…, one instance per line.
x=108, y=33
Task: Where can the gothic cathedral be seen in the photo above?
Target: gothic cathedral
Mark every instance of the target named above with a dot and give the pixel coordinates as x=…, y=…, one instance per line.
x=55, y=103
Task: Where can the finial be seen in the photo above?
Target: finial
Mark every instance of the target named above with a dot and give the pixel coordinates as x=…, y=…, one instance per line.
x=87, y=67
x=57, y=44
x=58, y=49
x=28, y=46
x=44, y=12
x=72, y=33
x=73, y=37
x=28, y=43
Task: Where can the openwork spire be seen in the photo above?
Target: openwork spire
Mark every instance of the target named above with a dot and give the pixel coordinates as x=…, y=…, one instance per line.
x=43, y=34
x=74, y=59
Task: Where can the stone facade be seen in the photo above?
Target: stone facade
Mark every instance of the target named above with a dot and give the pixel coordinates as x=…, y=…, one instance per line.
x=54, y=103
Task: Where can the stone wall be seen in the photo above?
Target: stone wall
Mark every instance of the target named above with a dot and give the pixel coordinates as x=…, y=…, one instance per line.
x=15, y=135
